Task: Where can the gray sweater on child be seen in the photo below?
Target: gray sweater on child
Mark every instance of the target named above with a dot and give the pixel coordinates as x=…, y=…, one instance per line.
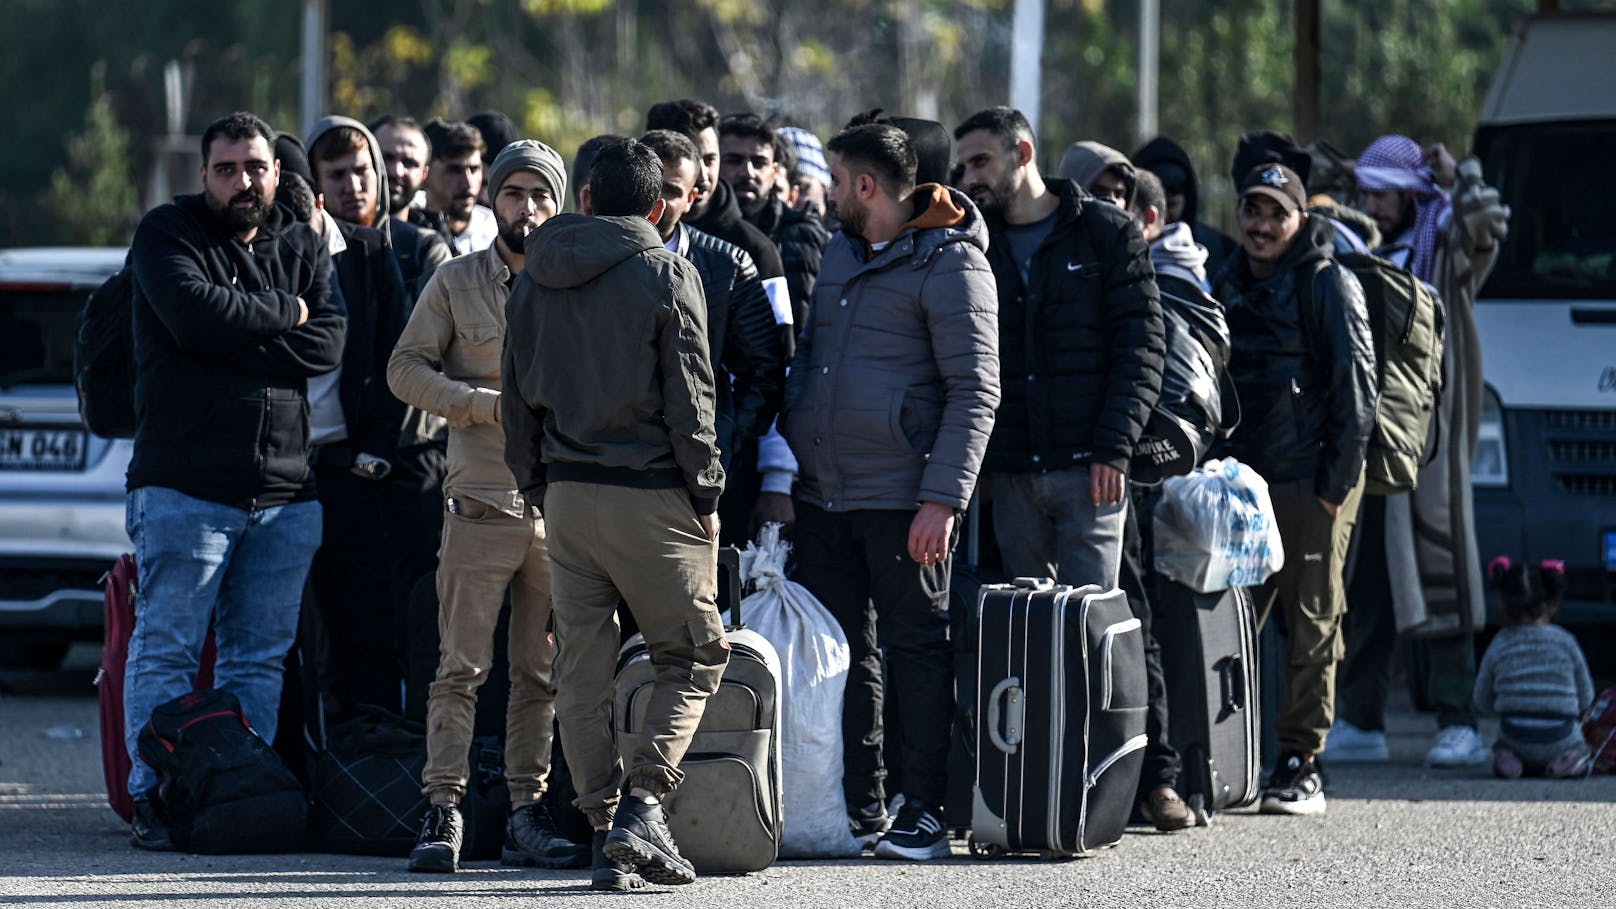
x=1534, y=670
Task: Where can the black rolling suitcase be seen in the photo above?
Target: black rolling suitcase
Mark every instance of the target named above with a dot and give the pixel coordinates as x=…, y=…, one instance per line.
x=1060, y=712
x=1210, y=657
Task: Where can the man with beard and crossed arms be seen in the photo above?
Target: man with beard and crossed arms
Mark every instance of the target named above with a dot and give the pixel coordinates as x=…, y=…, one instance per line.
x=232, y=314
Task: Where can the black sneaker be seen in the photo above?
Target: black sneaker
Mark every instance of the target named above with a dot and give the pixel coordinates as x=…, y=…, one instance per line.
x=640, y=838
x=918, y=834
x=610, y=874
x=146, y=828
x=532, y=840
x=1295, y=787
x=869, y=822
x=437, y=850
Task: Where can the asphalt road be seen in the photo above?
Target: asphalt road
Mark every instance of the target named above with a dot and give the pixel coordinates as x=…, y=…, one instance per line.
x=1397, y=835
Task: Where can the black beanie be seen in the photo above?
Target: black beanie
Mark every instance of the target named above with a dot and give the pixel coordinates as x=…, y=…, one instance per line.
x=1265, y=146
x=932, y=148
x=498, y=131
x=289, y=151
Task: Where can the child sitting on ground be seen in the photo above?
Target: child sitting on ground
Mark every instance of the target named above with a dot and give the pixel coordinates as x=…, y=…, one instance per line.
x=1534, y=677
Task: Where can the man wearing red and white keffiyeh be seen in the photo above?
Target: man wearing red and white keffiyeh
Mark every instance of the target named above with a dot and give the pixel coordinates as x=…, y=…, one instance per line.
x=1443, y=224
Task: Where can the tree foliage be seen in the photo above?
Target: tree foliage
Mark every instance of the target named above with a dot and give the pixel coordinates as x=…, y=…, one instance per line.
x=569, y=69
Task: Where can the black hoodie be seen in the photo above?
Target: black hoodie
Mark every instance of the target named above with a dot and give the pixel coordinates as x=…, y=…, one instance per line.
x=606, y=368
x=1164, y=151
x=722, y=218
x=1303, y=363
x=223, y=367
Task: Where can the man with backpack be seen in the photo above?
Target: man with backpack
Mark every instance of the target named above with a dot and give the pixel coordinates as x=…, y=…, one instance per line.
x=232, y=314
x=1417, y=570
x=1302, y=359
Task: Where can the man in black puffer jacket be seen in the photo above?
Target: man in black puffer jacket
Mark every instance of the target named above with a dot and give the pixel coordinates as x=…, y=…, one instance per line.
x=233, y=312
x=1080, y=347
x=749, y=356
x=1302, y=359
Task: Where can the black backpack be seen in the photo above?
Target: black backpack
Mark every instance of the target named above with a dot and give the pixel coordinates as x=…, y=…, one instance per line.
x=104, y=357
x=221, y=789
x=1406, y=319
x=1198, y=405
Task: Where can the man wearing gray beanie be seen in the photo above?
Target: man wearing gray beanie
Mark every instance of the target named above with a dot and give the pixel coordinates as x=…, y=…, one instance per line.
x=448, y=363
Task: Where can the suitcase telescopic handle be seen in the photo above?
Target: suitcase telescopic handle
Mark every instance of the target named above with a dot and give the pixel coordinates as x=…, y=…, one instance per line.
x=1013, y=713
x=1033, y=583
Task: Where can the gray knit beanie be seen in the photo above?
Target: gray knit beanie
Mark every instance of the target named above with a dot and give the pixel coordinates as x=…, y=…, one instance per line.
x=533, y=155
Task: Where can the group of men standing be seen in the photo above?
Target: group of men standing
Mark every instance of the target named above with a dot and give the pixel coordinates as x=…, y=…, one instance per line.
x=438, y=370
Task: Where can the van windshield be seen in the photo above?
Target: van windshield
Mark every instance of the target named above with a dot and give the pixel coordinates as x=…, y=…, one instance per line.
x=1560, y=185
x=36, y=333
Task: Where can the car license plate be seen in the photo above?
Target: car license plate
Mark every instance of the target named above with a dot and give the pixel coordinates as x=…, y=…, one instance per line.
x=1610, y=550
x=42, y=449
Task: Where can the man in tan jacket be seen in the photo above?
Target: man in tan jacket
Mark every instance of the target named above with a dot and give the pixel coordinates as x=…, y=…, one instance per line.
x=448, y=363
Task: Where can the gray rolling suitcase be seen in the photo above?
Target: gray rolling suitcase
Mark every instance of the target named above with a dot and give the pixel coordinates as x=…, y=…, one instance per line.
x=727, y=814
x=1210, y=657
x=1060, y=708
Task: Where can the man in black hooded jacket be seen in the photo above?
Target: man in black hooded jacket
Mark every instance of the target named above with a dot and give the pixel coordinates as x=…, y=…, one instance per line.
x=1171, y=164
x=232, y=313
x=1301, y=357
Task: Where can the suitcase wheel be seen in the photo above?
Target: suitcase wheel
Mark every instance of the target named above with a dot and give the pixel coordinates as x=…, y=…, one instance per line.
x=981, y=850
x=1198, y=810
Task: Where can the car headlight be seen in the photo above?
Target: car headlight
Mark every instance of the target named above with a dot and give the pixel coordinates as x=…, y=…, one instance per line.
x=1490, y=466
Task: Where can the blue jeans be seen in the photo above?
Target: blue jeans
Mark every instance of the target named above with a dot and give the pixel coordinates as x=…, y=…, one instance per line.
x=201, y=561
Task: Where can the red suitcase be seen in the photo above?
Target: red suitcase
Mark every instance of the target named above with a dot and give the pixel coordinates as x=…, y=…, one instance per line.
x=121, y=582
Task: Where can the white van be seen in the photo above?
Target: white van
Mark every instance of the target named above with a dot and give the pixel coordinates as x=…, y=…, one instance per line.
x=61, y=488
x=1545, y=475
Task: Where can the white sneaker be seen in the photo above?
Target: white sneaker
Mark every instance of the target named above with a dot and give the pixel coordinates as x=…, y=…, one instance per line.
x=1457, y=746
x=1347, y=744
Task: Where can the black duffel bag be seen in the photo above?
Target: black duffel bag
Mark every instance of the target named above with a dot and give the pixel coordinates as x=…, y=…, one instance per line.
x=367, y=796
x=221, y=788
x=1198, y=405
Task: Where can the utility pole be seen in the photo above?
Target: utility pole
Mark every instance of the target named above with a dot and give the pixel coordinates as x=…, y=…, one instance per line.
x=316, y=22
x=1305, y=101
x=1149, y=67
x=1027, y=59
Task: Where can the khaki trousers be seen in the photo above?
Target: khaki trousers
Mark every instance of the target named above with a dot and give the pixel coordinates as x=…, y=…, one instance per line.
x=484, y=552
x=1311, y=591
x=645, y=548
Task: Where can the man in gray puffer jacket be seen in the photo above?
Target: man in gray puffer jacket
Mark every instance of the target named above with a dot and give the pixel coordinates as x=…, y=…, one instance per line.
x=889, y=406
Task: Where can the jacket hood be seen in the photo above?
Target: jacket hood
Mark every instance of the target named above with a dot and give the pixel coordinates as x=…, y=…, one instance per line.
x=196, y=205
x=944, y=215
x=1161, y=156
x=327, y=124
x=1316, y=240
x=1176, y=253
x=1084, y=161
x=723, y=211
x=1354, y=220
x=571, y=250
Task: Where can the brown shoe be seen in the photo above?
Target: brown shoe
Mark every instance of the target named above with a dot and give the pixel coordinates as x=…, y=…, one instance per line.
x=1163, y=807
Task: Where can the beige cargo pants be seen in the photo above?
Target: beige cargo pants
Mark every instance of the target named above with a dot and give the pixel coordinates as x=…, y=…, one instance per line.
x=645, y=547
x=484, y=551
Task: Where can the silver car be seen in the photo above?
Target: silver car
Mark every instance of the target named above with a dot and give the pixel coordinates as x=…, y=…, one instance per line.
x=61, y=488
